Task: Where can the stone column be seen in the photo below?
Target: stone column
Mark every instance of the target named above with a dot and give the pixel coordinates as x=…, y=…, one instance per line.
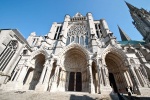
x=43, y=82
x=49, y=69
x=67, y=80
x=19, y=77
x=135, y=76
x=106, y=74
x=18, y=71
x=54, y=83
x=145, y=75
x=126, y=78
x=56, y=73
x=42, y=75
x=105, y=87
x=75, y=81
x=136, y=84
x=61, y=85
x=139, y=77
x=129, y=78
x=100, y=78
x=22, y=74
x=143, y=78
x=13, y=78
x=91, y=85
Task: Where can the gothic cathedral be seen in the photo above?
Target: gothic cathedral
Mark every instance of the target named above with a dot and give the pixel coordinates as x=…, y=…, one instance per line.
x=80, y=54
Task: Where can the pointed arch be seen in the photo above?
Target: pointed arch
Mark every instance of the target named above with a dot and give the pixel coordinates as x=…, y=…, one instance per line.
x=34, y=54
x=116, y=52
x=74, y=46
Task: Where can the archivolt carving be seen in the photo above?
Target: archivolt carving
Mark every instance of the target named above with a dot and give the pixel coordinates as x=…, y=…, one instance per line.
x=77, y=48
x=35, y=53
x=74, y=46
x=41, y=51
x=115, y=51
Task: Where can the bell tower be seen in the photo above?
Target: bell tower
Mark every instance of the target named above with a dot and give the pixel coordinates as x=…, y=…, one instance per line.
x=141, y=20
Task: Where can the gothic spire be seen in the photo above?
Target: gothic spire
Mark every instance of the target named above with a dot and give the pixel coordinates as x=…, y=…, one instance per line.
x=131, y=7
x=123, y=35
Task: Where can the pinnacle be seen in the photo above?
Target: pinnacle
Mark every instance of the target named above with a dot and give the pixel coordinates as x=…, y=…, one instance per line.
x=131, y=7
x=123, y=35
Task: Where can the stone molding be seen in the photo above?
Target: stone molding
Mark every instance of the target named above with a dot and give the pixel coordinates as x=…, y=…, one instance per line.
x=74, y=46
x=117, y=52
x=35, y=53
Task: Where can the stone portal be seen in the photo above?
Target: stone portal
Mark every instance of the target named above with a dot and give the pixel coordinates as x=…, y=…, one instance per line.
x=76, y=67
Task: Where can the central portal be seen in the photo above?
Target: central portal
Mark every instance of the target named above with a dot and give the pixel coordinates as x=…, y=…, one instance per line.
x=75, y=81
x=76, y=77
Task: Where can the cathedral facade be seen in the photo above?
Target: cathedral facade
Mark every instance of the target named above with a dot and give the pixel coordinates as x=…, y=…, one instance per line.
x=80, y=54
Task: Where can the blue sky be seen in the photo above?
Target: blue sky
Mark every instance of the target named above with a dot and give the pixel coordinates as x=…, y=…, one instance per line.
x=38, y=15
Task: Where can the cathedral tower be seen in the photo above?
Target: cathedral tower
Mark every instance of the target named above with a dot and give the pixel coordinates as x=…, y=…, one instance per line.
x=141, y=21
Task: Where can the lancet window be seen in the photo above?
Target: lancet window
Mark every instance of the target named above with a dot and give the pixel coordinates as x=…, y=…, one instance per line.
x=7, y=54
x=58, y=31
x=98, y=30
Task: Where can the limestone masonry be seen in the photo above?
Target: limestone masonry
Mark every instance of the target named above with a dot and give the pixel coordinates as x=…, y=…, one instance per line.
x=79, y=54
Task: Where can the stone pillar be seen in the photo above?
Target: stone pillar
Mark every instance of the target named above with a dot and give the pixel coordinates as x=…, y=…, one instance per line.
x=135, y=76
x=61, y=85
x=136, y=83
x=126, y=78
x=139, y=77
x=143, y=78
x=129, y=78
x=100, y=76
x=42, y=75
x=43, y=82
x=91, y=85
x=67, y=80
x=105, y=75
x=54, y=83
x=145, y=75
x=22, y=74
x=105, y=87
x=49, y=69
x=13, y=78
x=75, y=81
x=56, y=73
x=18, y=81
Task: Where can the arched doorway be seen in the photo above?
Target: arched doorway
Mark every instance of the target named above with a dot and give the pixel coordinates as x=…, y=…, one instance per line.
x=116, y=71
x=38, y=61
x=75, y=66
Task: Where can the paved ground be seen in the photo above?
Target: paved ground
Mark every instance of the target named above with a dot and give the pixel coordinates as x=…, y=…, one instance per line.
x=33, y=95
